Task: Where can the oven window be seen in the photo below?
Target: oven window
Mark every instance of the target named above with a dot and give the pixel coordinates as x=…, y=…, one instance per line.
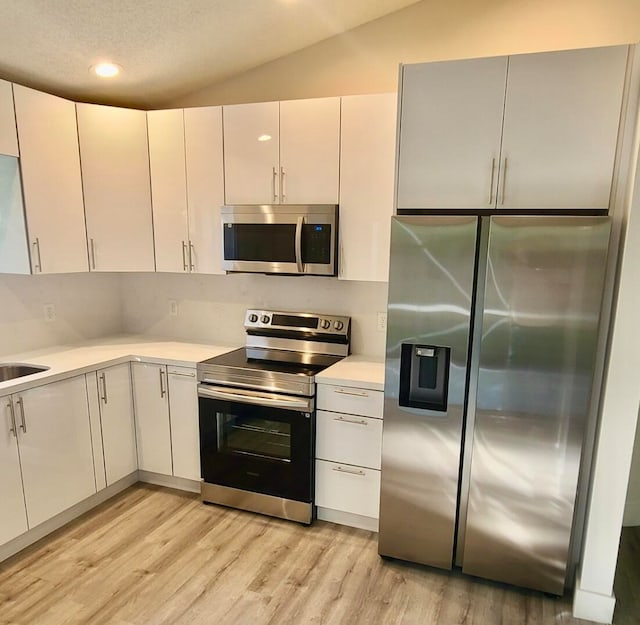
x=250, y=435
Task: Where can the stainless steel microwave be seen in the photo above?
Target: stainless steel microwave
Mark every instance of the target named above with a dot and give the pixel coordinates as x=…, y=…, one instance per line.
x=284, y=239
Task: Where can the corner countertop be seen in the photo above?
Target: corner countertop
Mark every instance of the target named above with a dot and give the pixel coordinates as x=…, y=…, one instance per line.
x=66, y=360
x=355, y=371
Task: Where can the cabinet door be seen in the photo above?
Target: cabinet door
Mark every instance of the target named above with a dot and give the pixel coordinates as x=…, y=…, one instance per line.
x=14, y=251
x=205, y=186
x=55, y=447
x=8, y=138
x=185, y=433
x=309, y=151
x=169, y=189
x=118, y=423
x=13, y=516
x=152, y=417
x=50, y=162
x=561, y=121
x=450, y=128
x=117, y=194
x=251, y=153
x=367, y=168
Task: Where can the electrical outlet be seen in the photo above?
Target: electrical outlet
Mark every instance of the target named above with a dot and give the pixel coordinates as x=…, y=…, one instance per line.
x=382, y=322
x=49, y=312
x=173, y=308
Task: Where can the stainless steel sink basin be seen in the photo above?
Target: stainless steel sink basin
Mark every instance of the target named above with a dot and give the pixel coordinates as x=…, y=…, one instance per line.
x=12, y=370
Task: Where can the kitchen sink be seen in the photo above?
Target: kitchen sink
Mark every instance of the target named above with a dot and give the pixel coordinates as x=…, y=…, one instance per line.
x=10, y=371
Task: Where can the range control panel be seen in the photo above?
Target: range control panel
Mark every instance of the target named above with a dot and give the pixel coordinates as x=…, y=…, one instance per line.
x=300, y=322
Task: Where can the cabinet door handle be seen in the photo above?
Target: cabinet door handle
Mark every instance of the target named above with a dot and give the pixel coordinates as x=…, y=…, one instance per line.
x=283, y=192
x=504, y=181
x=92, y=245
x=350, y=471
x=103, y=379
x=192, y=255
x=163, y=390
x=493, y=176
x=274, y=184
x=36, y=247
x=184, y=257
x=24, y=421
x=352, y=393
x=356, y=421
x=13, y=429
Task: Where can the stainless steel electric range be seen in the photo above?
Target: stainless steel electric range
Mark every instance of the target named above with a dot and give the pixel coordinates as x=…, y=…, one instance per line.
x=257, y=412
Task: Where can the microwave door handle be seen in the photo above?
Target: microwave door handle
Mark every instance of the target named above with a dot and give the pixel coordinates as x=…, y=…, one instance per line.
x=299, y=262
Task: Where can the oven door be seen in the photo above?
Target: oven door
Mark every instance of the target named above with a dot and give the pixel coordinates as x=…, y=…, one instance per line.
x=256, y=441
x=280, y=239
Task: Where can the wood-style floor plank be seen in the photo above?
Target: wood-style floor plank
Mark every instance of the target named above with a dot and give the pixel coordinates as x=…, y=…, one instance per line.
x=627, y=583
x=154, y=556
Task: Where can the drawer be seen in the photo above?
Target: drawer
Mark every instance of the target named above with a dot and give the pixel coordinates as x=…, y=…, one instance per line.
x=350, y=400
x=347, y=488
x=349, y=438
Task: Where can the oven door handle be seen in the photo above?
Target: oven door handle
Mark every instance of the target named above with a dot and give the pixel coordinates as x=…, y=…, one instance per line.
x=253, y=397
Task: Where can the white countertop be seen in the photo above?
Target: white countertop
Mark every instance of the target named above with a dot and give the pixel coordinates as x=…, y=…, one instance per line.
x=355, y=371
x=65, y=360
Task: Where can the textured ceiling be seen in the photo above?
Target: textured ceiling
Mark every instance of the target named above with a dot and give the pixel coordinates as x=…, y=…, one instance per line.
x=167, y=48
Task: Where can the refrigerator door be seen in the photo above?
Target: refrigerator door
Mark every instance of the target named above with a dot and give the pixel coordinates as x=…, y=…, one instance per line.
x=544, y=280
x=430, y=296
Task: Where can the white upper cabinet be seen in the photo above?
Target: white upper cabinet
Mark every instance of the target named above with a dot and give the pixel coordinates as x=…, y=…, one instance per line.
x=555, y=148
x=450, y=125
x=187, y=182
x=367, y=149
x=117, y=189
x=50, y=163
x=562, y=113
x=8, y=138
x=309, y=151
x=169, y=189
x=282, y=153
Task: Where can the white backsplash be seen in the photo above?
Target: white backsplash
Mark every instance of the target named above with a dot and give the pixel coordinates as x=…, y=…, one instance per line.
x=212, y=308
x=86, y=306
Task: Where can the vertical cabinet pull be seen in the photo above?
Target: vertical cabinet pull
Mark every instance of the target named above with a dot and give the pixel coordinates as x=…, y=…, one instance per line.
x=274, y=184
x=23, y=425
x=185, y=267
x=192, y=255
x=92, y=245
x=163, y=390
x=493, y=176
x=36, y=248
x=504, y=181
x=103, y=379
x=283, y=191
x=13, y=429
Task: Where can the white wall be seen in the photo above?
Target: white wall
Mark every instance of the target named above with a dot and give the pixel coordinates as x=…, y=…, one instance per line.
x=212, y=308
x=87, y=306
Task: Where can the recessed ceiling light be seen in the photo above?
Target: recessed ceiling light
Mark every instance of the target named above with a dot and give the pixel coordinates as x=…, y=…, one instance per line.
x=105, y=69
x=264, y=137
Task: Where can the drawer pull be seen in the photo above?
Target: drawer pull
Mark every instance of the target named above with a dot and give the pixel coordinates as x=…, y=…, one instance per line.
x=350, y=471
x=354, y=393
x=356, y=421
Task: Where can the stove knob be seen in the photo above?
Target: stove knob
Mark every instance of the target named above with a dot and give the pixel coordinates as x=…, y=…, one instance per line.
x=253, y=318
x=265, y=319
x=325, y=324
x=338, y=325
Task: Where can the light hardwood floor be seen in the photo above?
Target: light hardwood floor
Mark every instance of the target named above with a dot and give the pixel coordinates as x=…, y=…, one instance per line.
x=627, y=585
x=157, y=556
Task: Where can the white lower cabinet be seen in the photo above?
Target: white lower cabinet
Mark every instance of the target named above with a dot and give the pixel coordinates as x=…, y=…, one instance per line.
x=348, y=453
x=54, y=441
x=153, y=431
x=111, y=388
x=13, y=514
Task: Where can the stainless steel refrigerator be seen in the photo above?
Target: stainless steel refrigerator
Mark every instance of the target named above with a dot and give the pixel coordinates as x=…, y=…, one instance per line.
x=491, y=345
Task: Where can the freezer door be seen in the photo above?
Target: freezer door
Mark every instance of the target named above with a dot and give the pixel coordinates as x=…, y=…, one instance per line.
x=542, y=304
x=430, y=296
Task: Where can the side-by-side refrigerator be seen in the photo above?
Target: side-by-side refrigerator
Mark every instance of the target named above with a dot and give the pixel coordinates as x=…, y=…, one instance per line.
x=491, y=345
